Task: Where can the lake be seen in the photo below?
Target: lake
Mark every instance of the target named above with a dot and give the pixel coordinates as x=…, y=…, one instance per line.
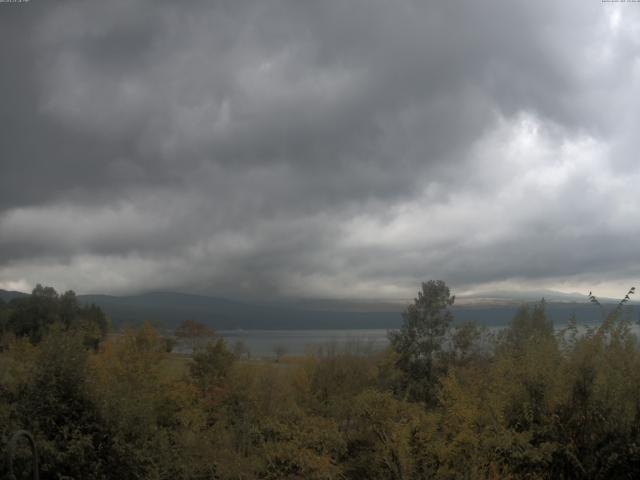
x=262, y=343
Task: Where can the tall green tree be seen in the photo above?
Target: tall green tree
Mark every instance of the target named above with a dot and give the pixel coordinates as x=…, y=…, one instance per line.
x=419, y=341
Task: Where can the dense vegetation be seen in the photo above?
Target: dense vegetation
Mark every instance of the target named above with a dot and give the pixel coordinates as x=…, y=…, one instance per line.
x=441, y=402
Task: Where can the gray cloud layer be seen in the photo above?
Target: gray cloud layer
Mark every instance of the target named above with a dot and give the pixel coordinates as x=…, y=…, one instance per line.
x=319, y=148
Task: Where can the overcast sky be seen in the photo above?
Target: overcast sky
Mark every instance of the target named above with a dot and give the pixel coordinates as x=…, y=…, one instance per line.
x=331, y=148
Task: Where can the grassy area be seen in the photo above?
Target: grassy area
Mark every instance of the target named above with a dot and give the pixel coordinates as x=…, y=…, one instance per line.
x=177, y=364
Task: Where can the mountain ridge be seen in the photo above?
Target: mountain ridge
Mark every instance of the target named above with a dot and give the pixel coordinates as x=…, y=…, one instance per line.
x=168, y=309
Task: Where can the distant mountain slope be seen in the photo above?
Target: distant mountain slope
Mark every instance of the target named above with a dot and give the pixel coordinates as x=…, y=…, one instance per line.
x=169, y=309
x=8, y=295
x=559, y=312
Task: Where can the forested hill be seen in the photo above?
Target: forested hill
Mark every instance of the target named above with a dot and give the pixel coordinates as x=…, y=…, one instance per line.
x=169, y=309
x=7, y=295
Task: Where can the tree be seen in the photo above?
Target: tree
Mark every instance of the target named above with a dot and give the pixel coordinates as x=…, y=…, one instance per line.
x=465, y=342
x=193, y=329
x=143, y=405
x=527, y=326
x=4, y=318
x=57, y=407
x=93, y=322
x=194, y=334
x=279, y=351
x=33, y=315
x=211, y=365
x=420, y=338
x=68, y=308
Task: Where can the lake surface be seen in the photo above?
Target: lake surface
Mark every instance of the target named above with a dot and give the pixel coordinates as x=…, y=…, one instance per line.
x=264, y=343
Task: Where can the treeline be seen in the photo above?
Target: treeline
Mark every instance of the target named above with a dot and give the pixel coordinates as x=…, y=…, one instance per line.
x=440, y=402
x=32, y=316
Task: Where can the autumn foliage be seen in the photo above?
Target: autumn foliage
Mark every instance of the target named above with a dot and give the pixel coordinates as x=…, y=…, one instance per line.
x=441, y=402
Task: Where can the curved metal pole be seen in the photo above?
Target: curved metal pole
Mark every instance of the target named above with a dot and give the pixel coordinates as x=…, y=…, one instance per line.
x=11, y=452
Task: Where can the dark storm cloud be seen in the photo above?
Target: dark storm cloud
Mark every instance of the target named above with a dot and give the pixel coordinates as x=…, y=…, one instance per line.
x=328, y=148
